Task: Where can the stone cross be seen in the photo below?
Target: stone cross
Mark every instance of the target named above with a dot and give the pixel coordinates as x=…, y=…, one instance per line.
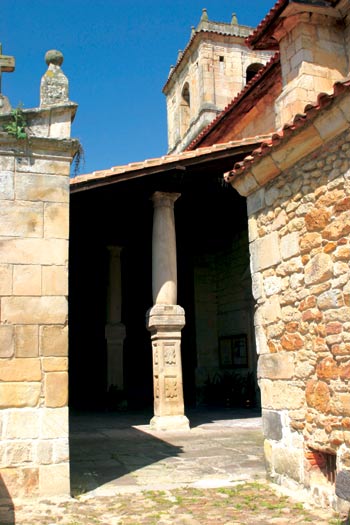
x=7, y=64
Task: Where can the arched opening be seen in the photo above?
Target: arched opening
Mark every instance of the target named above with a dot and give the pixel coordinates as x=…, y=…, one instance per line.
x=252, y=70
x=185, y=108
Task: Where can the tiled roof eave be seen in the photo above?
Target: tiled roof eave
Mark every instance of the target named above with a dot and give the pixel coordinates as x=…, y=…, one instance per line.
x=162, y=164
x=261, y=28
x=306, y=133
x=262, y=37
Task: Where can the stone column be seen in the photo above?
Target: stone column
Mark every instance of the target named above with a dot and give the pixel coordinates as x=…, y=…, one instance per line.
x=166, y=319
x=115, y=330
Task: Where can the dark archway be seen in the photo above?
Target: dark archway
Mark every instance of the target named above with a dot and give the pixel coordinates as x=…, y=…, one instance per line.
x=185, y=108
x=252, y=70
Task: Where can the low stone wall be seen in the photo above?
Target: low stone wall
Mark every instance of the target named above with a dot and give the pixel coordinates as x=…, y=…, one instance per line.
x=299, y=226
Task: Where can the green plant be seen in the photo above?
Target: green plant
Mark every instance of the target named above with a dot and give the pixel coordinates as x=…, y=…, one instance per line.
x=16, y=126
x=78, y=159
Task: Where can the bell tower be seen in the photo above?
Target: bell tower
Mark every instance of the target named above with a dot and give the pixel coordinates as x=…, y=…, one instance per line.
x=213, y=68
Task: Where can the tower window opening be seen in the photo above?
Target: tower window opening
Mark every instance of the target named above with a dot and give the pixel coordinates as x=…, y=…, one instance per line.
x=221, y=58
x=185, y=108
x=186, y=94
x=252, y=70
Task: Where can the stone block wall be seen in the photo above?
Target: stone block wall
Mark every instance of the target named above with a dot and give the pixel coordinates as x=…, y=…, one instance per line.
x=299, y=230
x=34, y=232
x=34, y=193
x=314, y=55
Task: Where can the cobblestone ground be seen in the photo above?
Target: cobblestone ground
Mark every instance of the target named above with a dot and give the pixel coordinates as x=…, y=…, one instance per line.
x=245, y=504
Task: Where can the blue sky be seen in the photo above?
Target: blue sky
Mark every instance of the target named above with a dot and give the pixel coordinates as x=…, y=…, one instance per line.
x=117, y=58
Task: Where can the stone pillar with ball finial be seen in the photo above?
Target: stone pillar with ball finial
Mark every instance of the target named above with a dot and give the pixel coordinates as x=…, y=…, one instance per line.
x=54, y=96
x=54, y=84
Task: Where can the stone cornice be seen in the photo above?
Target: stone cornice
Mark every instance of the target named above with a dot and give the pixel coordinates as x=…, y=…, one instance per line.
x=37, y=146
x=34, y=113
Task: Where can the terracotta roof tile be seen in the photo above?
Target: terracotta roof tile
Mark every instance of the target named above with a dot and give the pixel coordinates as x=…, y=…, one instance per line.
x=262, y=72
x=271, y=15
x=274, y=13
x=160, y=164
x=300, y=120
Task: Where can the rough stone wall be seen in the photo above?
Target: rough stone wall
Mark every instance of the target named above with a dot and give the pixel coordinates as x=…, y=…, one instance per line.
x=346, y=15
x=299, y=230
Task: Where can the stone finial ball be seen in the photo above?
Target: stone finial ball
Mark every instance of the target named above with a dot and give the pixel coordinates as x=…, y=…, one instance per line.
x=54, y=57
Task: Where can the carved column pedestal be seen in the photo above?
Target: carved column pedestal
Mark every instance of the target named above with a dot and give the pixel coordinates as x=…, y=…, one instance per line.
x=165, y=323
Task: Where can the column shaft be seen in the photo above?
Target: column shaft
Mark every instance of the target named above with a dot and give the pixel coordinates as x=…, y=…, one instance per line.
x=114, y=330
x=164, y=271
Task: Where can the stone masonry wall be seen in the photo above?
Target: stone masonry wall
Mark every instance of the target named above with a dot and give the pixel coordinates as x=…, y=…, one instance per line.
x=313, y=58
x=34, y=193
x=34, y=232
x=215, y=70
x=299, y=231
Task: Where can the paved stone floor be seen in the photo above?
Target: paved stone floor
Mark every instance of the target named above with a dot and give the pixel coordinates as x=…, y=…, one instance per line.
x=110, y=455
x=122, y=473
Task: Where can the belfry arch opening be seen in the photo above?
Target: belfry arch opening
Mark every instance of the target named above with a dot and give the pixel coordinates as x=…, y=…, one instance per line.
x=185, y=108
x=111, y=260
x=252, y=70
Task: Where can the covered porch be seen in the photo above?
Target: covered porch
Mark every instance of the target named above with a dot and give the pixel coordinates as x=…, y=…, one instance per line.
x=114, y=215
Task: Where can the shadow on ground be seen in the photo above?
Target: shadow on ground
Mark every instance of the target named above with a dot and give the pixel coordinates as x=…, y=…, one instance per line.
x=104, y=447
x=107, y=447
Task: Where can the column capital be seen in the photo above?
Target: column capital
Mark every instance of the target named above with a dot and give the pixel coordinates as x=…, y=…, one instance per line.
x=115, y=251
x=160, y=198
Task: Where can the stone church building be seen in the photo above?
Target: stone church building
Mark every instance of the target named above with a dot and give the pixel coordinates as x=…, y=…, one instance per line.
x=225, y=260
